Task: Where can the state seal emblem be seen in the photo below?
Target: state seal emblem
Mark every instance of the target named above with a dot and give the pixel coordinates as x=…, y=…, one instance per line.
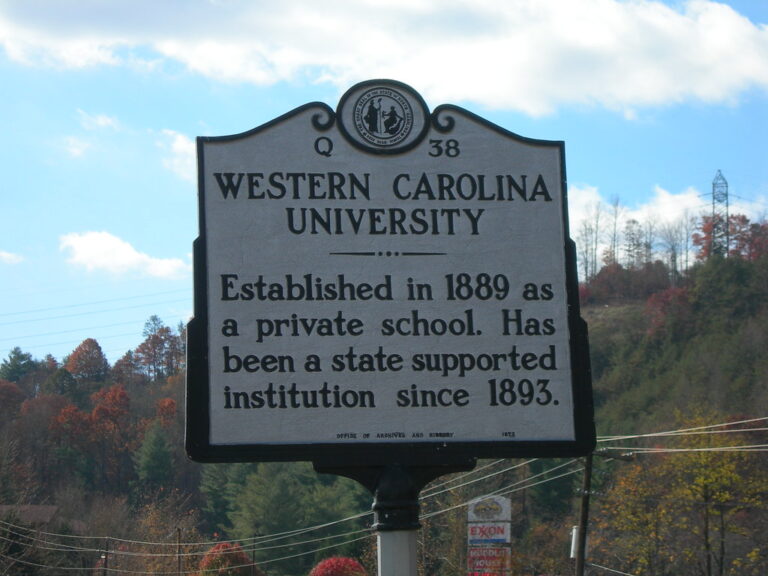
x=384, y=116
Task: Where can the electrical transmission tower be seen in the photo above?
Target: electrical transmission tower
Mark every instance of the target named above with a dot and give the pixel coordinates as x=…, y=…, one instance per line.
x=720, y=237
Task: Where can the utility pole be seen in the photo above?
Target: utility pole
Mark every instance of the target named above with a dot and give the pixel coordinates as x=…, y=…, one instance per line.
x=106, y=556
x=178, y=550
x=586, y=490
x=581, y=535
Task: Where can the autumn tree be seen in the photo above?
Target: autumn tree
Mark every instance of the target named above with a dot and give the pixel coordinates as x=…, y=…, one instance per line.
x=686, y=512
x=633, y=521
x=668, y=313
x=161, y=353
x=11, y=397
x=745, y=239
x=102, y=439
x=166, y=412
x=114, y=432
x=151, y=352
x=36, y=447
x=166, y=525
x=87, y=363
x=127, y=370
x=13, y=474
x=750, y=239
x=541, y=551
x=227, y=559
x=715, y=490
x=338, y=566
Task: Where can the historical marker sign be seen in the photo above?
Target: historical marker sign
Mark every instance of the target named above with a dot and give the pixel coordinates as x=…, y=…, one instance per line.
x=384, y=280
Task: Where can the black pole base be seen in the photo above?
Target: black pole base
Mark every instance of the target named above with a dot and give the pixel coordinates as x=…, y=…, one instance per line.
x=395, y=488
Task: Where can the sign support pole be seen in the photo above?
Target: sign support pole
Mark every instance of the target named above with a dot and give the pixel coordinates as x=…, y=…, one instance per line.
x=395, y=488
x=396, y=519
x=397, y=553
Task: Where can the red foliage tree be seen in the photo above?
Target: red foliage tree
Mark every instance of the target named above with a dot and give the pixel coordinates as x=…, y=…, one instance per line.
x=11, y=397
x=106, y=434
x=111, y=406
x=43, y=409
x=610, y=283
x=668, y=311
x=338, y=566
x=87, y=363
x=31, y=428
x=113, y=431
x=745, y=239
x=161, y=354
x=226, y=559
x=127, y=370
x=756, y=244
x=72, y=426
x=165, y=409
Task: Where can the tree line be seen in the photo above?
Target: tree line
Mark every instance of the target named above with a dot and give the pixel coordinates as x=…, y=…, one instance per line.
x=658, y=254
x=105, y=444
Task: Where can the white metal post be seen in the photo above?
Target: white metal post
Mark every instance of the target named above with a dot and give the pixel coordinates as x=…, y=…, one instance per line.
x=397, y=552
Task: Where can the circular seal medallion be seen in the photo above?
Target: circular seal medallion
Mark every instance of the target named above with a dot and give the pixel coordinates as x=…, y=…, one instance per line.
x=384, y=117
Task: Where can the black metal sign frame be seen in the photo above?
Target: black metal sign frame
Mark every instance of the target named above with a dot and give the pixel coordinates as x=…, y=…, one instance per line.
x=415, y=123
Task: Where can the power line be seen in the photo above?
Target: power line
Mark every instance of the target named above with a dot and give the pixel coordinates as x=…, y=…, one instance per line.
x=610, y=570
x=683, y=430
x=91, y=312
x=516, y=486
x=525, y=483
x=753, y=448
x=68, y=306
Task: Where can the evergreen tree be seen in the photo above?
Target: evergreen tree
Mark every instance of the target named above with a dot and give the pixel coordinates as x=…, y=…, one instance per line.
x=271, y=501
x=17, y=365
x=154, y=460
x=64, y=384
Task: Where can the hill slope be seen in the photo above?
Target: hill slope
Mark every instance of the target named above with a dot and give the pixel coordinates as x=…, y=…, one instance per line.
x=702, y=344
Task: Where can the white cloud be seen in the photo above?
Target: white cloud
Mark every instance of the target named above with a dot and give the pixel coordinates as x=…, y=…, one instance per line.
x=529, y=55
x=41, y=44
x=582, y=200
x=180, y=154
x=97, y=121
x=665, y=207
x=76, y=147
x=103, y=251
x=10, y=258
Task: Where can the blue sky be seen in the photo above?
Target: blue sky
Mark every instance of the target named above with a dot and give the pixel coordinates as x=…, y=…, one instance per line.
x=102, y=101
